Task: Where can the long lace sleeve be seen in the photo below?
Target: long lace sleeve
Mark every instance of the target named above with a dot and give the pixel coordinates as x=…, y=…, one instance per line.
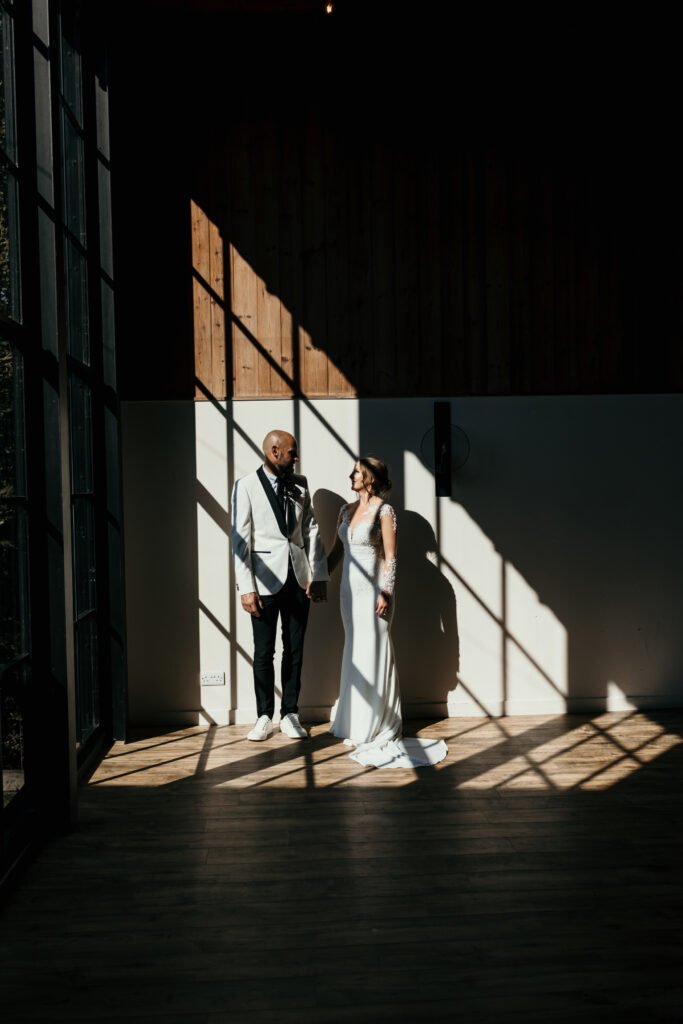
x=388, y=577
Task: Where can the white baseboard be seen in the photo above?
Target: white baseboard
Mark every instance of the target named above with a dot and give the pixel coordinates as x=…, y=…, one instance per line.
x=566, y=706
x=436, y=710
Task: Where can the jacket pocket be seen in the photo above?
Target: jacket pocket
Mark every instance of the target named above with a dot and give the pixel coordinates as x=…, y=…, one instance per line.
x=260, y=551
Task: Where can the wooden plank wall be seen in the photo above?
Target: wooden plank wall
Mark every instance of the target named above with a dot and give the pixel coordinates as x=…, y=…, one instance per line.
x=370, y=271
x=434, y=231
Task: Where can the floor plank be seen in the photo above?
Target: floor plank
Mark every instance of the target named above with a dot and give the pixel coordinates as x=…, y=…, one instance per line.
x=534, y=875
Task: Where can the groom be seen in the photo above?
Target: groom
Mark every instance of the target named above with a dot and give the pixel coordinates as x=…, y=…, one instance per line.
x=280, y=566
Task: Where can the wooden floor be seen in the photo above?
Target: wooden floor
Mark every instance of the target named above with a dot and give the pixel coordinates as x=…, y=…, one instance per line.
x=536, y=875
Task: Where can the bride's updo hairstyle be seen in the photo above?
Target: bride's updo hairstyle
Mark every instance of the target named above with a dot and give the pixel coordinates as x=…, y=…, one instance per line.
x=375, y=475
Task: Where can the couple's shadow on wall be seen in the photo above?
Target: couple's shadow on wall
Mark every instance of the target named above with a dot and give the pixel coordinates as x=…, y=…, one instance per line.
x=425, y=629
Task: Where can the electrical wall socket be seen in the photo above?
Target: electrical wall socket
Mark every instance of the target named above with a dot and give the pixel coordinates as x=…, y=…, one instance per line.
x=213, y=679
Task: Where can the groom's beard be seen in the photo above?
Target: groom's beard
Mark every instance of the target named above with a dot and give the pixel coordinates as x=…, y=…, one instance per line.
x=279, y=468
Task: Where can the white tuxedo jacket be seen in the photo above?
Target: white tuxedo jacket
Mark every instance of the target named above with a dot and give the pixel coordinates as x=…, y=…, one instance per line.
x=263, y=539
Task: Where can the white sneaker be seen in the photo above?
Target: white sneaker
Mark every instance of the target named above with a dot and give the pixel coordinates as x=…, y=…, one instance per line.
x=261, y=730
x=292, y=727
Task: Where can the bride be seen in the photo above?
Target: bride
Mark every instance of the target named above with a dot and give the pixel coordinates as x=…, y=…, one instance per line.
x=368, y=712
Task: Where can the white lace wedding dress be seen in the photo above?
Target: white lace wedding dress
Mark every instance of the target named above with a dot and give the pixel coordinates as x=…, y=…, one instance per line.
x=367, y=715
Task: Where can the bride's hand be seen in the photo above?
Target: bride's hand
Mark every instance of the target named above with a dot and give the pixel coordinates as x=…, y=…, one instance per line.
x=382, y=606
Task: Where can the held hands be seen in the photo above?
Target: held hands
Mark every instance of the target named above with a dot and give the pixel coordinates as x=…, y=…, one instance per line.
x=317, y=591
x=383, y=604
x=252, y=603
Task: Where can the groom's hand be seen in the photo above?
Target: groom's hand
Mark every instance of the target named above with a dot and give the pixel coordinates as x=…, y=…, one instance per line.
x=317, y=591
x=253, y=604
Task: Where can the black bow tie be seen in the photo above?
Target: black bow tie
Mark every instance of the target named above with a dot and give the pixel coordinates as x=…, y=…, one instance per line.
x=285, y=485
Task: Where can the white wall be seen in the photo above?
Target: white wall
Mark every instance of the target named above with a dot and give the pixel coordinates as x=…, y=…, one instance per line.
x=552, y=579
x=160, y=537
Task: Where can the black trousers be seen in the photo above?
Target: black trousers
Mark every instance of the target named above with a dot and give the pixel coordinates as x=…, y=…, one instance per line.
x=291, y=606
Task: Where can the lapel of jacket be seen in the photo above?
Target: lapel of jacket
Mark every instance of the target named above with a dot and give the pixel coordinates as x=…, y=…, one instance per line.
x=270, y=494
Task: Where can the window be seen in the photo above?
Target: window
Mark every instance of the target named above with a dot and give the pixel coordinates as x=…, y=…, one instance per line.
x=62, y=642
x=14, y=576
x=14, y=585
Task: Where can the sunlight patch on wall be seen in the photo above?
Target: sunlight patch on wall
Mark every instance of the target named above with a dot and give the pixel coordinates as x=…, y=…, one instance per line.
x=481, y=657
x=472, y=554
x=328, y=443
x=211, y=372
x=536, y=656
x=274, y=355
x=214, y=556
x=513, y=648
x=256, y=348
x=474, y=569
x=617, y=699
x=211, y=451
x=214, y=614
x=215, y=645
x=418, y=484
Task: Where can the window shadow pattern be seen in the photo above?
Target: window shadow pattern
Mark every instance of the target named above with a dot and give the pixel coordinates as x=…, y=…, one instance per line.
x=464, y=888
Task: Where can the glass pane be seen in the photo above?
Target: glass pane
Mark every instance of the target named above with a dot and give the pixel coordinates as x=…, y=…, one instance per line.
x=8, y=135
x=109, y=351
x=84, y=555
x=41, y=21
x=77, y=303
x=80, y=409
x=9, y=617
x=44, y=168
x=71, y=62
x=55, y=569
x=74, y=186
x=10, y=293
x=14, y=595
x=53, y=478
x=106, y=245
x=48, y=283
x=111, y=441
x=19, y=427
x=102, y=104
x=41, y=77
x=12, y=733
x=14, y=603
x=115, y=578
x=87, y=678
x=7, y=433
x=12, y=429
x=55, y=549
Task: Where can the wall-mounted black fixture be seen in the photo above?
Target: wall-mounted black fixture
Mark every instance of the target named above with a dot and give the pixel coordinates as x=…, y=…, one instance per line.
x=442, y=449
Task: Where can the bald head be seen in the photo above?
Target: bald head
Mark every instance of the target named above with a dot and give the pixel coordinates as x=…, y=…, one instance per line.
x=278, y=439
x=280, y=451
